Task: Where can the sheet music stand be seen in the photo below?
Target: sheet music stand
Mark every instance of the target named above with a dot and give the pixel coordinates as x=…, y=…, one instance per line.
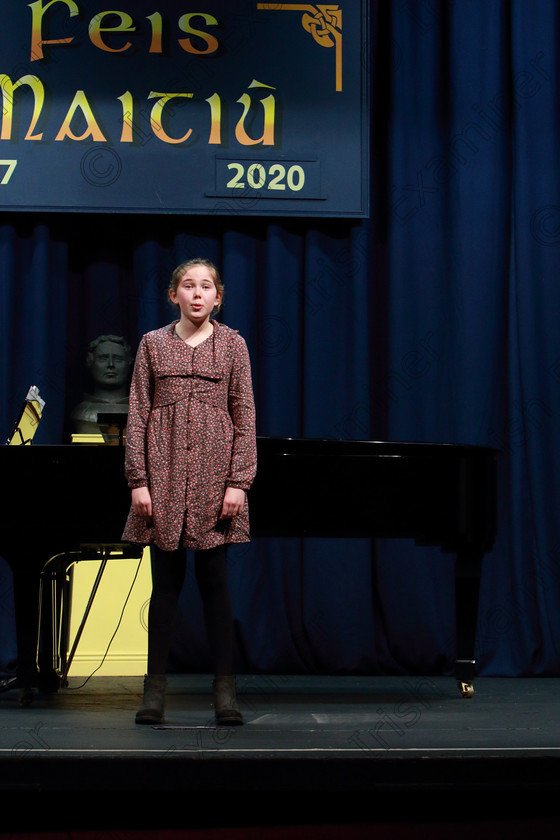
x=28, y=420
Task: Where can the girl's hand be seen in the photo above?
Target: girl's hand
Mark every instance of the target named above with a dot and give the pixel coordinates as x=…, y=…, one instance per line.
x=142, y=502
x=234, y=501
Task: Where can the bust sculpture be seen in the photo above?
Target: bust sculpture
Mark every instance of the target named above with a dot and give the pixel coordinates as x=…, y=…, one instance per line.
x=109, y=362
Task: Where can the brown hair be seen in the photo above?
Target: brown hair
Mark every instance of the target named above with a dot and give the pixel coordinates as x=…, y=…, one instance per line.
x=184, y=267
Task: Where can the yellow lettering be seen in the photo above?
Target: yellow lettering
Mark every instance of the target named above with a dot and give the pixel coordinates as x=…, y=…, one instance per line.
x=8, y=89
x=157, y=115
x=269, y=106
x=92, y=129
x=95, y=30
x=128, y=114
x=37, y=12
x=216, y=114
x=185, y=26
x=155, y=20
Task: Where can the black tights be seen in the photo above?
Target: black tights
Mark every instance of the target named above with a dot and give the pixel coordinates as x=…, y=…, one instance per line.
x=168, y=575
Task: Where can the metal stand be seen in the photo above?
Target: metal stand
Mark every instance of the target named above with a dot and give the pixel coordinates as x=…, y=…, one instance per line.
x=56, y=574
x=467, y=584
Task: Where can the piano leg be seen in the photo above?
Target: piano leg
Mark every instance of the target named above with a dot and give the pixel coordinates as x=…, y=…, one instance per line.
x=467, y=586
x=26, y=592
x=34, y=670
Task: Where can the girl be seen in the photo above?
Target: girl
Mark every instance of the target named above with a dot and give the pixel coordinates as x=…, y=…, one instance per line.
x=190, y=458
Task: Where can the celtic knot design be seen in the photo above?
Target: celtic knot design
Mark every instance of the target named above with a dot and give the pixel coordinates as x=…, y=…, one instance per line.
x=323, y=25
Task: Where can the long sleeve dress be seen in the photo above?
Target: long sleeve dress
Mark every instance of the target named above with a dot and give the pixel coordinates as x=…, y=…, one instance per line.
x=190, y=435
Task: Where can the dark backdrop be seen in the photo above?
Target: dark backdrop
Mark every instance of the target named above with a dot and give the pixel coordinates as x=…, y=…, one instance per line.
x=434, y=320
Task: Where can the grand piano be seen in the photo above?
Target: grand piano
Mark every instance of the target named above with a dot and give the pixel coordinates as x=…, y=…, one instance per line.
x=72, y=500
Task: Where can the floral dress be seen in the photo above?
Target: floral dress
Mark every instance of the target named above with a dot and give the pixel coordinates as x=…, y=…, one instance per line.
x=190, y=435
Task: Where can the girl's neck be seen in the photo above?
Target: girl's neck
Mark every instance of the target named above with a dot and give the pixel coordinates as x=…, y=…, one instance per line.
x=193, y=334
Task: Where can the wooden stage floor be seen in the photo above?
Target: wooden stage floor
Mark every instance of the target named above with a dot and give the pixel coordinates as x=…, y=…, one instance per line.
x=323, y=749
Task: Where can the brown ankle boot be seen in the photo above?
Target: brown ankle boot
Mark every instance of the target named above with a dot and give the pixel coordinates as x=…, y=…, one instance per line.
x=154, y=699
x=226, y=710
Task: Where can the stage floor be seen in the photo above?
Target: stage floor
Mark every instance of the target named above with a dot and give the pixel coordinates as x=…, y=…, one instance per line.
x=350, y=748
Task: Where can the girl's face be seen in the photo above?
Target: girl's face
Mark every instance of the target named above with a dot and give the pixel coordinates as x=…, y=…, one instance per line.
x=196, y=294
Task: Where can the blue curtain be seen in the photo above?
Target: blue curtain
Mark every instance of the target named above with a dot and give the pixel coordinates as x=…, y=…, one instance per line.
x=433, y=320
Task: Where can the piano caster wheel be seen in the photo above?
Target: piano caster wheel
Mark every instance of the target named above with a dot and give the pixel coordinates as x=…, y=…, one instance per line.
x=466, y=688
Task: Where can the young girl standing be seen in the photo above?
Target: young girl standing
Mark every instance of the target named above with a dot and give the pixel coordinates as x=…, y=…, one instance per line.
x=190, y=458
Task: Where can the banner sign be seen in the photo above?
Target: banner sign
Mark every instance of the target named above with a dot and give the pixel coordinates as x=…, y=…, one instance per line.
x=185, y=106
